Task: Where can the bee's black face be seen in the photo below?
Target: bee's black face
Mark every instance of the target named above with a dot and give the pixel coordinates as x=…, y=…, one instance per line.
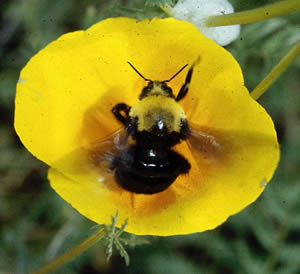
x=146, y=90
x=156, y=88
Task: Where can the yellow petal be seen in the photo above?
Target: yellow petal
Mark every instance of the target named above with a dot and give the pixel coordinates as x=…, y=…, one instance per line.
x=64, y=102
x=72, y=84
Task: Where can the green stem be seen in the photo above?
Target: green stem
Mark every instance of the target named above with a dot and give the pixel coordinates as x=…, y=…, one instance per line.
x=276, y=72
x=72, y=253
x=166, y=9
x=254, y=15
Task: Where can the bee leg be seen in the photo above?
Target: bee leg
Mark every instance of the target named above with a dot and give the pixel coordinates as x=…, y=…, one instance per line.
x=121, y=112
x=184, y=89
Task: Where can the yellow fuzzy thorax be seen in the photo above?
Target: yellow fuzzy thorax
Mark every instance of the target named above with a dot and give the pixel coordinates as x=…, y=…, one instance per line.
x=155, y=107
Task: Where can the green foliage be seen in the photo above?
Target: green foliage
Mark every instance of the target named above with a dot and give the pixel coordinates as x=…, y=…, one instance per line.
x=113, y=238
x=147, y=12
x=110, y=234
x=36, y=225
x=160, y=2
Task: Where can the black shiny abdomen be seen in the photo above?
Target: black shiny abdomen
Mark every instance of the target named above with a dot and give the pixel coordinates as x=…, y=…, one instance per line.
x=150, y=165
x=147, y=170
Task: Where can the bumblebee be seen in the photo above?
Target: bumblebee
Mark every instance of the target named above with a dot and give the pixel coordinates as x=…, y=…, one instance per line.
x=140, y=157
x=156, y=124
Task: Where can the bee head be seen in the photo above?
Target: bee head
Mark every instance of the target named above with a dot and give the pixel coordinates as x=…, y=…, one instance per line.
x=156, y=87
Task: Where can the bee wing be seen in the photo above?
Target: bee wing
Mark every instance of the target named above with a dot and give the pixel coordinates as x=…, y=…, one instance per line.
x=203, y=144
x=94, y=160
x=211, y=147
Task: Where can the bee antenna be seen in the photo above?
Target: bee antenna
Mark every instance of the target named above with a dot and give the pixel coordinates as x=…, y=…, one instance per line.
x=138, y=72
x=176, y=73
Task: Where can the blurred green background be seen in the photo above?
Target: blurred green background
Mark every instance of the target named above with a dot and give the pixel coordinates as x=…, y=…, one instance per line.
x=36, y=224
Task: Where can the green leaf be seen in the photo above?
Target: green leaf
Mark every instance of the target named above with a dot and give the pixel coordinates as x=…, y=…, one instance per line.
x=122, y=251
x=114, y=238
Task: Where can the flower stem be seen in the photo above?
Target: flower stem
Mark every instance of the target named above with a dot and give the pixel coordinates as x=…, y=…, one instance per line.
x=72, y=253
x=254, y=15
x=166, y=9
x=276, y=72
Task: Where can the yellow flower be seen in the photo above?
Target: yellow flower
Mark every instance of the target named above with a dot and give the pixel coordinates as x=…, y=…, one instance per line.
x=64, y=101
